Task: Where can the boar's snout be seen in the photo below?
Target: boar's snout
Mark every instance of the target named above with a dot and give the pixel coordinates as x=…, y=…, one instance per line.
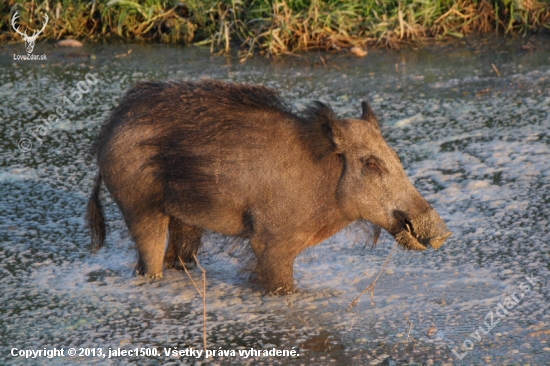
x=420, y=231
x=439, y=240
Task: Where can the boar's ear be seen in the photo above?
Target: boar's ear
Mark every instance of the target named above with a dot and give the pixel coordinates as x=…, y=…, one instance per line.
x=334, y=134
x=322, y=130
x=367, y=114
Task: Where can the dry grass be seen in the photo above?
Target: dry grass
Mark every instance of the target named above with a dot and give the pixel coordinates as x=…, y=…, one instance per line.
x=277, y=26
x=370, y=288
x=202, y=294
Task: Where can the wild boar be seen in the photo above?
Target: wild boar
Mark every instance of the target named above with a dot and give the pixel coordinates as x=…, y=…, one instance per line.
x=179, y=158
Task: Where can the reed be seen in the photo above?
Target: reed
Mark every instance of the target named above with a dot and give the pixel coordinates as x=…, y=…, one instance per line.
x=276, y=26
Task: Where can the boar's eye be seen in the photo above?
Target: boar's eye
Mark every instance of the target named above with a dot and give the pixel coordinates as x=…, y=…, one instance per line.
x=372, y=164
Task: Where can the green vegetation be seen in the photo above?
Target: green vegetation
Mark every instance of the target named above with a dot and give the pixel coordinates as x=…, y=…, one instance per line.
x=275, y=26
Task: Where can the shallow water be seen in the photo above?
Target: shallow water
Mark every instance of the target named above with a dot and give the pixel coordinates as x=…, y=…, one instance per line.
x=475, y=144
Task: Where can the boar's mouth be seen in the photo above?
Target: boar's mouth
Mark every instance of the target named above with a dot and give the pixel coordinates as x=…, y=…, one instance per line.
x=408, y=238
x=411, y=237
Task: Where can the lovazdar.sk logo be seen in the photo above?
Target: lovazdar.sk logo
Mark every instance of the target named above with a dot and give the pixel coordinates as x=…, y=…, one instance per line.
x=29, y=40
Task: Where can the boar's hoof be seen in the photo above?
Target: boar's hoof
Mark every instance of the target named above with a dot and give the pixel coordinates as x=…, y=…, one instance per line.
x=284, y=290
x=141, y=272
x=154, y=276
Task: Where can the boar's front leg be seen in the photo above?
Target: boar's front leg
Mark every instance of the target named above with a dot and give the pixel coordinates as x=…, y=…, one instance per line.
x=149, y=233
x=275, y=266
x=184, y=242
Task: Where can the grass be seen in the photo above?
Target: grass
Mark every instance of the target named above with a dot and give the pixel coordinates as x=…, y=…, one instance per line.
x=276, y=26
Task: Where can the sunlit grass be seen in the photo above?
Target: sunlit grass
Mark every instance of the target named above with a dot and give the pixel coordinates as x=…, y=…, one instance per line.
x=276, y=26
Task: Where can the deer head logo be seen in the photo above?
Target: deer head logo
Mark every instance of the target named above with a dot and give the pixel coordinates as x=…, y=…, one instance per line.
x=29, y=40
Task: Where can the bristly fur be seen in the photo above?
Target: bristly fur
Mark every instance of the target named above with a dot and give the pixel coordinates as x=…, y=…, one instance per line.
x=216, y=111
x=370, y=231
x=95, y=218
x=316, y=129
x=220, y=95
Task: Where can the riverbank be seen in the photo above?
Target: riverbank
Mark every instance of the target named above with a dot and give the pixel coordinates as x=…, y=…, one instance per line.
x=275, y=27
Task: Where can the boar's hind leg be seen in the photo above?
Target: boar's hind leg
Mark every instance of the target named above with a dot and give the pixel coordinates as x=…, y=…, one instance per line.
x=275, y=267
x=149, y=233
x=184, y=242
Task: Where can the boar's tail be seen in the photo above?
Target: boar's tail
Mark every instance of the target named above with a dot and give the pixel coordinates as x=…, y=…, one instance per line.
x=95, y=218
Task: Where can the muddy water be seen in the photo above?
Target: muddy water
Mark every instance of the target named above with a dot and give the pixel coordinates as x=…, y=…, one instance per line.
x=475, y=142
